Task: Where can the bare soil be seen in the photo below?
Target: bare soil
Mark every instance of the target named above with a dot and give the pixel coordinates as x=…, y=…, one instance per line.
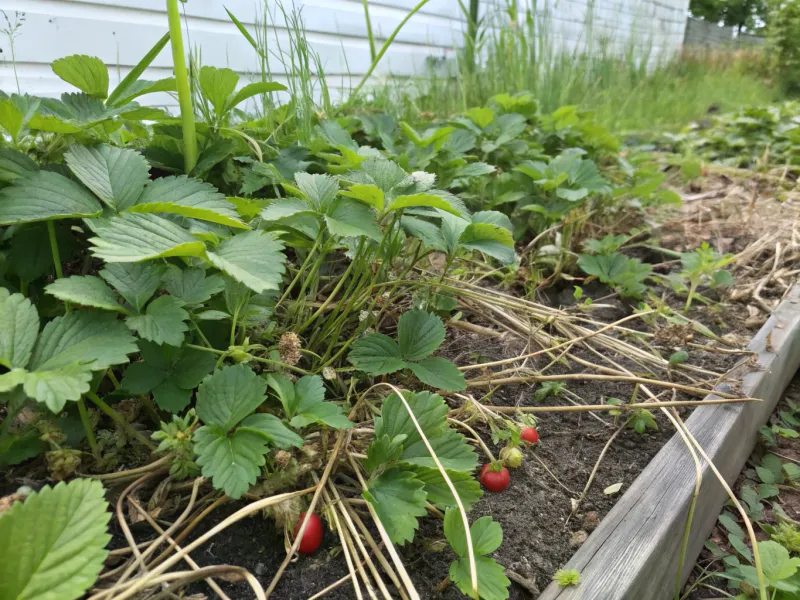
x=539, y=534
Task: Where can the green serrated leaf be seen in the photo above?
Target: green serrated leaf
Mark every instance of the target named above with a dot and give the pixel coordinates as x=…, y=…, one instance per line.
x=140, y=87
x=87, y=73
x=188, y=197
x=731, y=525
x=55, y=386
x=254, y=89
x=169, y=373
x=419, y=334
x=52, y=124
x=739, y=545
x=253, y=258
x=382, y=451
x=11, y=118
x=229, y=395
x=443, y=202
x=130, y=237
x=429, y=409
x=492, y=581
x=232, y=461
x=367, y=193
x=11, y=379
x=450, y=447
x=97, y=340
x=427, y=232
x=163, y=322
x=116, y=175
x=377, y=354
x=19, y=328
x=46, y=196
x=170, y=397
x=136, y=282
x=304, y=402
x=283, y=208
x=142, y=378
x=191, y=367
x=490, y=239
x=775, y=561
x=15, y=165
x=273, y=429
x=439, y=494
x=192, y=285
x=350, y=218
x=438, y=373
x=486, y=534
x=59, y=535
x=321, y=190
x=398, y=499
x=85, y=290
x=217, y=85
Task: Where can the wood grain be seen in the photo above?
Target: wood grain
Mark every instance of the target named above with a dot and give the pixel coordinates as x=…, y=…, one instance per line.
x=634, y=553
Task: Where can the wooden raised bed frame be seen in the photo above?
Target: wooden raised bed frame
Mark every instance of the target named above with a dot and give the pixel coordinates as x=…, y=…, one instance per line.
x=634, y=553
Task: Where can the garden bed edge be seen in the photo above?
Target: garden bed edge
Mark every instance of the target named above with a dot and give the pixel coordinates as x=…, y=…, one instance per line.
x=633, y=554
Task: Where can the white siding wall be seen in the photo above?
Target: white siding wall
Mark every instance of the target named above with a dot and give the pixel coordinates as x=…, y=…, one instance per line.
x=121, y=31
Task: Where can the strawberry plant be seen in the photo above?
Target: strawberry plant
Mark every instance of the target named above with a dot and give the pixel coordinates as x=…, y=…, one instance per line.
x=419, y=334
x=704, y=266
x=225, y=283
x=486, y=538
x=625, y=275
x=56, y=365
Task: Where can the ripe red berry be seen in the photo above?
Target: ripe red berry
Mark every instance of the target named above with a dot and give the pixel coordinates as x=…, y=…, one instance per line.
x=494, y=481
x=529, y=434
x=312, y=536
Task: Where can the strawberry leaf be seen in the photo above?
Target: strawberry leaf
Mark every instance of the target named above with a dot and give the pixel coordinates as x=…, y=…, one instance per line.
x=253, y=258
x=273, y=429
x=492, y=581
x=429, y=409
x=117, y=176
x=486, y=534
x=131, y=237
x=188, y=197
x=46, y=196
x=169, y=373
x=376, y=354
x=304, y=402
x=59, y=535
x=86, y=290
x=87, y=73
x=136, y=282
x=97, y=340
x=398, y=499
x=19, y=327
x=163, y=321
x=419, y=334
x=229, y=395
x=439, y=373
x=54, y=387
x=192, y=286
x=439, y=494
x=450, y=447
x=233, y=461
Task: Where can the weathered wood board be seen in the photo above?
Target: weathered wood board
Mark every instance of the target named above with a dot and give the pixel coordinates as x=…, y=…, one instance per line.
x=634, y=553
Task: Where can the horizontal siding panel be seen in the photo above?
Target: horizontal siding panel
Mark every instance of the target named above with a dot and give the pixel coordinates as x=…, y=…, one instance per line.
x=121, y=31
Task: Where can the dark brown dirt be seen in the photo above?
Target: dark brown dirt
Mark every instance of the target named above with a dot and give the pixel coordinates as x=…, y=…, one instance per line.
x=533, y=511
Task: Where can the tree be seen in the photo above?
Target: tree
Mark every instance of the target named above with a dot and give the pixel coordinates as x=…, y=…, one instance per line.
x=742, y=14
